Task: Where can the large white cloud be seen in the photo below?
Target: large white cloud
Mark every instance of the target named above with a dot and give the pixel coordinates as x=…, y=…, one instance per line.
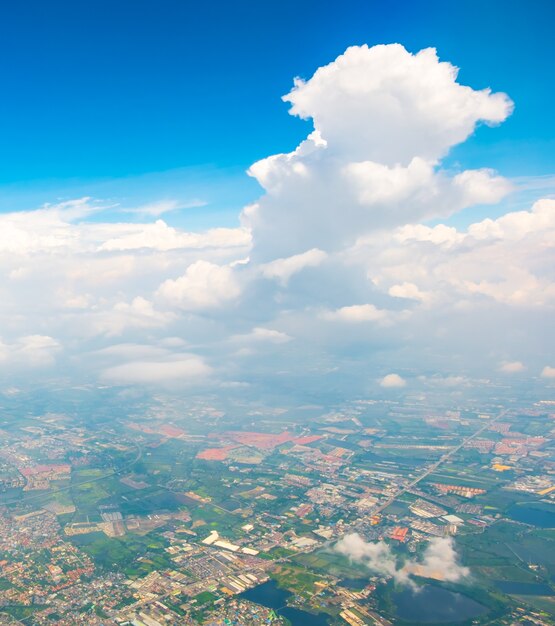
x=347, y=263
x=383, y=119
x=179, y=370
x=509, y=260
x=203, y=286
x=386, y=105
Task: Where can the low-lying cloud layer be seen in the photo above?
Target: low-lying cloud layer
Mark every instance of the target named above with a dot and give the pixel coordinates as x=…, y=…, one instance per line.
x=343, y=265
x=439, y=560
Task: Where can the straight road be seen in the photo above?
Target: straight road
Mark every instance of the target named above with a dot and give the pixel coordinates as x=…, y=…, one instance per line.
x=440, y=461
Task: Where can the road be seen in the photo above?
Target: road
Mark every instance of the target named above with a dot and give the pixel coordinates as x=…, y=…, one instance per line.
x=434, y=466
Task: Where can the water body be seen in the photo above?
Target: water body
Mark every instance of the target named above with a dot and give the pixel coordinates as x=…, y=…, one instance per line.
x=271, y=596
x=354, y=583
x=542, y=518
x=524, y=589
x=434, y=605
x=10, y=495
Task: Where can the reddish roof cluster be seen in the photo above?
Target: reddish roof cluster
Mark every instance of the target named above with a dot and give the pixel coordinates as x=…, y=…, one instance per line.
x=46, y=469
x=215, y=454
x=263, y=441
x=267, y=441
x=399, y=534
x=171, y=431
x=304, y=441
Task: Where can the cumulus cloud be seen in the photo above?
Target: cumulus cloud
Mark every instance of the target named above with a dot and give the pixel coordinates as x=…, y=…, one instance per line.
x=283, y=269
x=409, y=291
x=511, y=367
x=203, y=286
x=139, y=313
x=383, y=119
x=179, y=369
x=349, y=251
x=356, y=313
x=61, y=228
x=387, y=105
x=263, y=334
x=392, y=381
x=439, y=560
x=548, y=372
x=160, y=236
x=489, y=260
x=377, y=556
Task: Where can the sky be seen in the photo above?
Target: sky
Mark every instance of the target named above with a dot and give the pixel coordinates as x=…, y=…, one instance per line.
x=298, y=194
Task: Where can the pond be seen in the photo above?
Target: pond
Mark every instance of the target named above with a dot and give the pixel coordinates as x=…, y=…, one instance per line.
x=543, y=518
x=434, y=605
x=271, y=596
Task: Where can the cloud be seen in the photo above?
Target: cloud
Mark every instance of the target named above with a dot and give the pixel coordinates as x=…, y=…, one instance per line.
x=439, y=559
x=408, y=291
x=61, y=228
x=139, y=313
x=130, y=352
x=548, y=372
x=511, y=367
x=516, y=225
x=377, y=556
x=155, y=209
x=392, y=381
x=283, y=269
x=446, y=381
x=203, y=286
x=178, y=369
x=356, y=313
x=30, y=350
x=350, y=252
x=500, y=260
x=387, y=105
x=160, y=236
x=383, y=120
x=263, y=334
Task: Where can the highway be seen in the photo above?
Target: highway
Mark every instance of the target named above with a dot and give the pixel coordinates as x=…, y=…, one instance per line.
x=432, y=468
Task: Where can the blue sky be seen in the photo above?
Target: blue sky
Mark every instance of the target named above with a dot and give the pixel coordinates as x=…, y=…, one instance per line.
x=98, y=97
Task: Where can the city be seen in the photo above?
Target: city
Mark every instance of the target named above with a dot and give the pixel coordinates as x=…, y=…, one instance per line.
x=196, y=520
